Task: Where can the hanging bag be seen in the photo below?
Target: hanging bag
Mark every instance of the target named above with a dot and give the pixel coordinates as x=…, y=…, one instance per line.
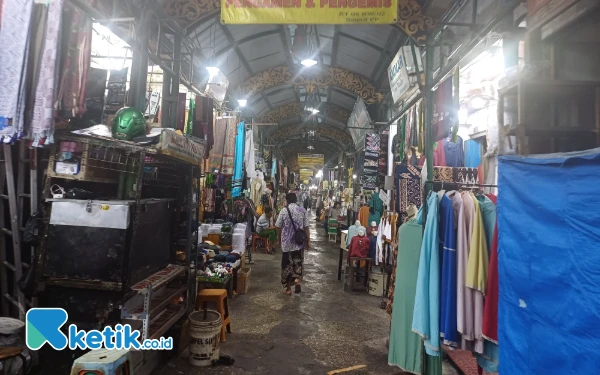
x=299, y=234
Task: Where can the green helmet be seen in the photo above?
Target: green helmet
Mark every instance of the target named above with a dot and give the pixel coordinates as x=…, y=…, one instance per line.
x=128, y=123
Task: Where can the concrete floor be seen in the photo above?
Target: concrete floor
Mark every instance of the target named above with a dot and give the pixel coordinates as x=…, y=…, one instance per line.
x=319, y=330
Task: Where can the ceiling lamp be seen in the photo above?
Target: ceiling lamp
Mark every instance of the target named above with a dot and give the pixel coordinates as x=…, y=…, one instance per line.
x=213, y=71
x=242, y=102
x=310, y=147
x=302, y=45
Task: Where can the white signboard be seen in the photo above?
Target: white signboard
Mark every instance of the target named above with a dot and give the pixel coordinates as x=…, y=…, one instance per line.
x=398, y=76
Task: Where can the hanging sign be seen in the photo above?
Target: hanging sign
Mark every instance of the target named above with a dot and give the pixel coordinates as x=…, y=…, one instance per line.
x=311, y=161
x=302, y=12
x=398, y=76
x=305, y=175
x=181, y=147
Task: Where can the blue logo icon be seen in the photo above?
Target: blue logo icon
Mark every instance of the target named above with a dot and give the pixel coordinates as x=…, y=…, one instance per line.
x=43, y=326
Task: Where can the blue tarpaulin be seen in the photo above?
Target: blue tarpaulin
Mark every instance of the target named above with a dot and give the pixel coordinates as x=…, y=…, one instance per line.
x=549, y=264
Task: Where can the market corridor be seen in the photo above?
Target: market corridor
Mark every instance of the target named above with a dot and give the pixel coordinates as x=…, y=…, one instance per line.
x=319, y=330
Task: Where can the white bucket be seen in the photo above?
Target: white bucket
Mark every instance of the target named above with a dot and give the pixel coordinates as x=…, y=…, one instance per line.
x=205, y=335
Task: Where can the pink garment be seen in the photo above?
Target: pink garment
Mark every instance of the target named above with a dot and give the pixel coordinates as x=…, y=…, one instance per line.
x=467, y=300
x=439, y=155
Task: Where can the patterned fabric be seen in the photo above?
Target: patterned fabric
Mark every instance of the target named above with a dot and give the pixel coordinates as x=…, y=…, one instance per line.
x=466, y=175
x=42, y=123
x=392, y=287
x=408, y=189
x=14, y=44
x=288, y=244
x=291, y=267
x=209, y=200
x=444, y=174
x=75, y=61
x=222, y=154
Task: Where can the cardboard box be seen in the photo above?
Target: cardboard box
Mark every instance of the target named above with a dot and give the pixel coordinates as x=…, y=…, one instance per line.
x=243, y=280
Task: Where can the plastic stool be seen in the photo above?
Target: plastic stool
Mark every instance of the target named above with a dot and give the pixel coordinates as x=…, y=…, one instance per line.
x=219, y=296
x=265, y=242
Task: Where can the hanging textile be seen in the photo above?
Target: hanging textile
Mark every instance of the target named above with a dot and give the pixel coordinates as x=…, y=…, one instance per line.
x=405, y=345
x=490, y=312
x=448, y=292
x=14, y=44
x=488, y=215
x=371, y=162
x=465, y=175
x=454, y=154
x=203, y=120
x=42, y=121
x=76, y=48
x=443, y=174
x=221, y=156
x=472, y=154
x=408, y=189
x=439, y=156
x=249, y=152
x=444, y=110
x=477, y=268
x=426, y=315
x=238, y=168
x=375, y=207
x=400, y=140
x=490, y=357
x=465, y=296
x=189, y=126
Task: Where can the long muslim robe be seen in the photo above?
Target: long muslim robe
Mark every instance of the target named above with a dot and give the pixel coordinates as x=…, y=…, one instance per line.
x=426, y=315
x=448, y=292
x=405, y=345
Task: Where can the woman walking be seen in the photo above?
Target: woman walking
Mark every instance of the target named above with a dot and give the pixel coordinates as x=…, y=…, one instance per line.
x=290, y=219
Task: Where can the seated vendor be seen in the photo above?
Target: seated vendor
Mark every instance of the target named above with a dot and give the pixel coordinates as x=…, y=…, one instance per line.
x=264, y=228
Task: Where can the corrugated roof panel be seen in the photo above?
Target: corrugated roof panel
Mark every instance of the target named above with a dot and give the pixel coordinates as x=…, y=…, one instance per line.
x=243, y=31
x=356, y=57
x=343, y=100
x=264, y=53
x=374, y=34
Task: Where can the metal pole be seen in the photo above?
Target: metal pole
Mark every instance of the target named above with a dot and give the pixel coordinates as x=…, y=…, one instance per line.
x=428, y=119
x=173, y=119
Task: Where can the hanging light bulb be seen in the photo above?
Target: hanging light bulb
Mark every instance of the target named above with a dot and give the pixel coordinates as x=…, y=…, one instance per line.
x=242, y=102
x=213, y=71
x=308, y=62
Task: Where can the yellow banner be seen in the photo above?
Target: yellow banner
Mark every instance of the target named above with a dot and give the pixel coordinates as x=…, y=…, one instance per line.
x=311, y=161
x=324, y=12
x=306, y=174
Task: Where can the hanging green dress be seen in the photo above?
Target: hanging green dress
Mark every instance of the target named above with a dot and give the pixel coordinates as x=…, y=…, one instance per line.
x=405, y=345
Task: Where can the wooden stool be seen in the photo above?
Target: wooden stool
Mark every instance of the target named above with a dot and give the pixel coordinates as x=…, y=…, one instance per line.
x=219, y=296
x=11, y=352
x=265, y=242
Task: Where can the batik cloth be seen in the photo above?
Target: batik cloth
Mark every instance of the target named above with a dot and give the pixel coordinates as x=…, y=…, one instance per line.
x=466, y=175
x=291, y=267
x=426, y=314
x=222, y=154
x=209, y=199
x=405, y=345
x=14, y=44
x=408, y=189
x=448, y=293
x=443, y=174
